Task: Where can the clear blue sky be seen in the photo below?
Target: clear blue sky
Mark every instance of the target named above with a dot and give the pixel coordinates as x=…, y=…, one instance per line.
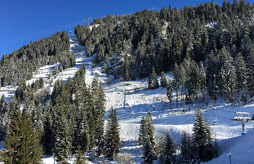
x=23, y=21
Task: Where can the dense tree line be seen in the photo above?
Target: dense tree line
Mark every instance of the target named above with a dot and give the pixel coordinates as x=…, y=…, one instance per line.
x=20, y=64
x=70, y=122
x=200, y=147
x=207, y=41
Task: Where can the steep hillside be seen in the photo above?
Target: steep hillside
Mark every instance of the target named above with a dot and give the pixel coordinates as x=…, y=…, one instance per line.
x=19, y=65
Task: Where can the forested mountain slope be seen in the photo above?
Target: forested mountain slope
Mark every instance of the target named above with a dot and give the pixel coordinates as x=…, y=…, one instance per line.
x=210, y=45
x=19, y=65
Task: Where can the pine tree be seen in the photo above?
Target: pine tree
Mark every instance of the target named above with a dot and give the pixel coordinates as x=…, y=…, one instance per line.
x=112, y=136
x=209, y=145
x=176, y=81
x=2, y=104
x=63, y=137
x=48, y=137
x=211, y=71
x=164, y=82
x=126, y=68
x=99, y=112
x=81, y=135
x=183, y=78
x=169, y=151
x=142, y=131
x=11, y=144
x=148, y=151
x=241, y=77
x=202, y=77
x=2, y=111
x=200, y=137
x=153, y=82
x=150, y=129
x=170, y=91
x=41, y=83
x=250, y=66
x=79, y=158
x=227, y=79
x=193, y=83
x=30, y=144
x=22, y=141
x=186, y=148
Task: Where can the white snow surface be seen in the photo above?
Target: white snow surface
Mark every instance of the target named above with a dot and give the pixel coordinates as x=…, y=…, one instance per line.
x=132, y=100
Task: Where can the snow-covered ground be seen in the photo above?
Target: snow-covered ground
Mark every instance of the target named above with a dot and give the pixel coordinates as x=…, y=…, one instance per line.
x=138, y=102
x=132, y=100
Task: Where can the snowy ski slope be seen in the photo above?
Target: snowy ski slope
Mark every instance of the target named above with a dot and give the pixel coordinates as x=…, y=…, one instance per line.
x=132, y=100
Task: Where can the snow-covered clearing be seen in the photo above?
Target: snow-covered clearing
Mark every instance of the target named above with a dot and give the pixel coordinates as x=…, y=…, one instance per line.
x=132, y=100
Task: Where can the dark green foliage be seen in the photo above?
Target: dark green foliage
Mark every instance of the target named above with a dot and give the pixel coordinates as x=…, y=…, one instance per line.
x=41, y=83
x=148, y=151
x=168, y=155
x=2, y=111
x=160, y=39
x=227, y=76
x=176, y=80
x=99, y=110
x=22, y=141
x=146, y=138
x=241, y=77
x=112, y=136
x=48, y=137
x=81, y=136
x=203, y=145
x=150, y=129
x=63, y=136
x=186, y=148
x=211, y=74
x=153, y=82
x=34, y=55
x=164, y=82
x=142, y=131
x=199, y=137
x=79, y=158
x=21, y=91
x=170, y=91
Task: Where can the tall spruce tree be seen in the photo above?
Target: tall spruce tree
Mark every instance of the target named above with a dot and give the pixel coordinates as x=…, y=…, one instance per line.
x=149, y=154
x=48, y=137
x=250, y=67
x=202, y=77
x=22, y=141
x=169, y=151
x=209, y=145
x=211, y=70
x=63, y=137
x=186, y=148
x=153, y=82
x=99, y=113
x=241, y=77
x=150, y=129
x=176, y=81
x=30, y=150
x=112, y=136
x=81, y=135
x=170, y=91
x=142, y=131
x=199, y=137
x=79, y=158
x=11, y=141
x=163, y=81
x=202, y=139
x=227, y=79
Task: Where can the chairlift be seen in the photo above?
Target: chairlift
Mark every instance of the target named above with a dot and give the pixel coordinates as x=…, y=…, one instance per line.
x=215, y=121
x=240, y=116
